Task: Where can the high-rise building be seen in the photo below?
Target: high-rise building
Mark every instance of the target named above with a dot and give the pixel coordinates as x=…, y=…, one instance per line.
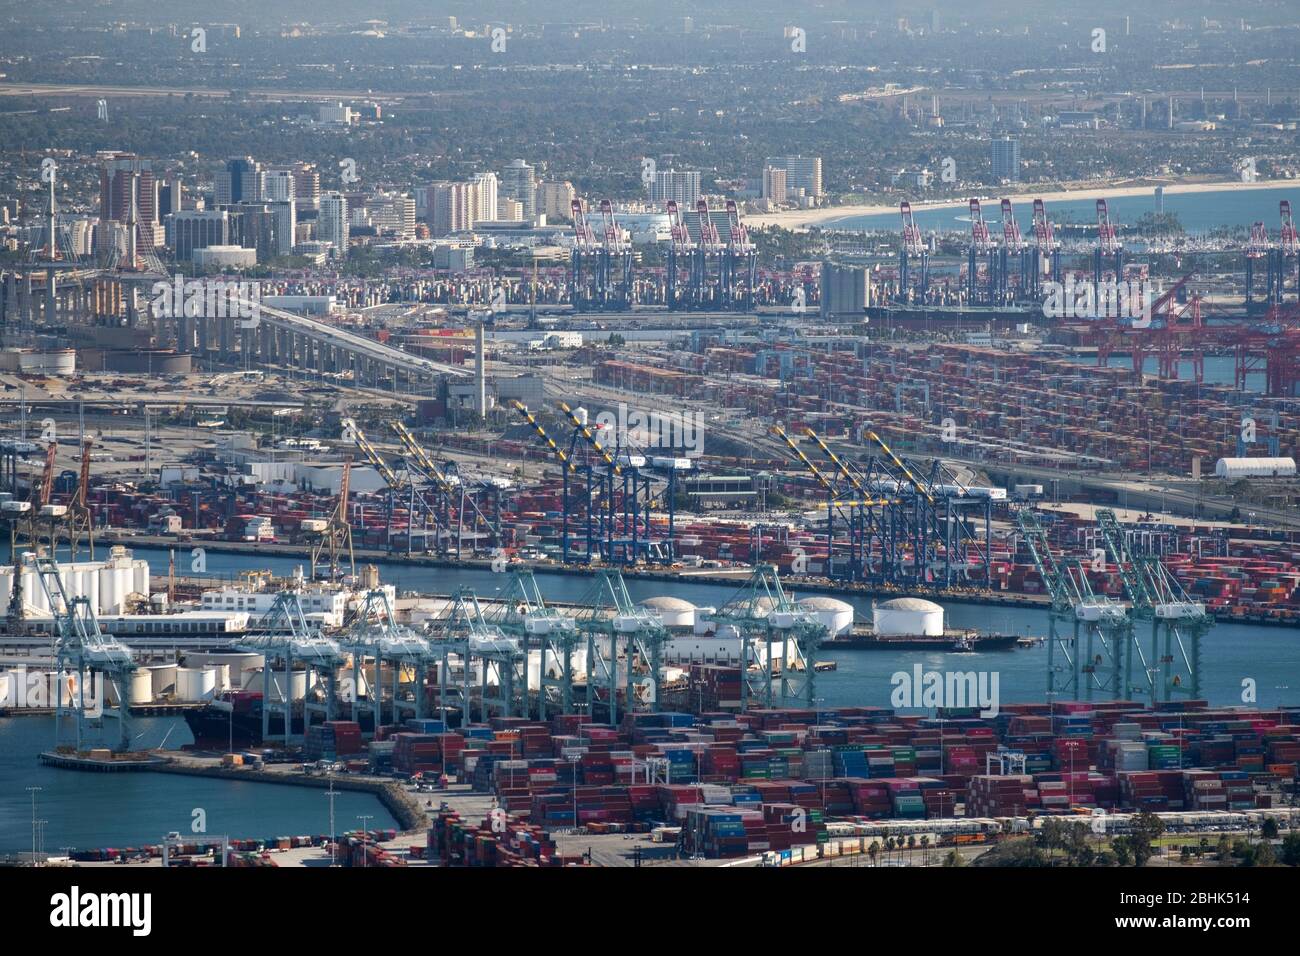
x=518, y=182
x=122, y=177
x=171, y=198
x=555, y=200
x=392, y=214
x=285, y=225
x=683, y=186
x=801, y=172
x=278, y=185
x=1006, y=160
x=240, y=180
x=332, y=225
x=488, y=193
x=451, y=208
x=773, y=184
x=306, y=185
x=191, y=229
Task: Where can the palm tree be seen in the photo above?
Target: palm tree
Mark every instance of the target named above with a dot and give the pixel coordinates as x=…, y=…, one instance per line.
x=925, y=849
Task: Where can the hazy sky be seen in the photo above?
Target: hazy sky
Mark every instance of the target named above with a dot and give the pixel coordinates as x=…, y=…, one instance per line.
x=749, y=12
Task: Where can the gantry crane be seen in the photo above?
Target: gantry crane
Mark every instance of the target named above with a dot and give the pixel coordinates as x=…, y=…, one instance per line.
x=453, y=495
x=629, y=494
x=403, y=489
x=1109, y=249
x=709, y=249
x=336, y=536
x=681, y=257
x=1088, y=634
x=1013, y=245
x=80, y=520
x=81, y=648
x=868, y=520
x=523, y=614
x=376, y=633
x=739, y=264
x=609, y=619
x=912, y=250
x=464, y=630
x=44, y=513
x=284, y=635
x=1257, y=248
x=593, y=507
x=1172, y=664
x=982, y=249
x=778, y=640
x=1047, y=250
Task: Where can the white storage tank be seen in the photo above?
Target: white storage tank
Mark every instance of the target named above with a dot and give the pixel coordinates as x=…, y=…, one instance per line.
x=195, y=684
x=908, y=616
x=235, y=670
x=672, y=611
x=162, y=677
x=836, y=615
x=141, y=687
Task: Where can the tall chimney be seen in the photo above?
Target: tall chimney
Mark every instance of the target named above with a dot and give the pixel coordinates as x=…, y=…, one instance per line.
x=480, y=370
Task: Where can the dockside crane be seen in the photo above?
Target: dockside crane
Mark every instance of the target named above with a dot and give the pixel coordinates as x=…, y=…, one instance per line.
x=779, y=641
x=1286, y=257
x=585, y=264
x=709, y=249
x=466, y=631
x=739, y=265
x=911, y=251
x=629, y=491
x=1109, y=249
x=419, y=509
x=284, y=635
x=982, y=249
x=1047, y=250
x=593, y=505
x=376, y=633
x=80, y=521
x=336, y=537
x=1014, y=246
x=1088, y=634
x=43, y=512
x=1259, y=248
x=609, y=619
x=617, y=262
x=681, y=257
x=1171, y=666
x=453, y=495
x=871, y=530
x=523, y=614
x=83, y=650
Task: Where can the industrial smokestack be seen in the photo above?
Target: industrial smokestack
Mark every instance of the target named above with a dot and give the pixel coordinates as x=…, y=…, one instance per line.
x=480, y=372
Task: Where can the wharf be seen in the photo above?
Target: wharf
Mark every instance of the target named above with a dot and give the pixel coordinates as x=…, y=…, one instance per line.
x=398, y=802
x=84, y=762
x=722, y=576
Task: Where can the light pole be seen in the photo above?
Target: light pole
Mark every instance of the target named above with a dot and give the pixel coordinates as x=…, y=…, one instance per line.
x=333, y=842
x=363, y=817
x=34, y=791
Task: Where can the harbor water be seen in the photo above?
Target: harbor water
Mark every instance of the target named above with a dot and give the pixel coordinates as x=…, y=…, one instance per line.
x=132, y=808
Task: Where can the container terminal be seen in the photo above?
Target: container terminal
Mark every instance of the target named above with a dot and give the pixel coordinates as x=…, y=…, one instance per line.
x=934, y=436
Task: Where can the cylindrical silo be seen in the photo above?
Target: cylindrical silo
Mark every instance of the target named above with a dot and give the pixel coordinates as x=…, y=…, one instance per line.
x=141, y=687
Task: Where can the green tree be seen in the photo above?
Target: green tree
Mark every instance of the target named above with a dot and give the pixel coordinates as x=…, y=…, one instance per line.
x=1291, y=849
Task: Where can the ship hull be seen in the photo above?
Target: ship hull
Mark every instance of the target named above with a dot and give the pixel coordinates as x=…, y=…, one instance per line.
x=920, y=642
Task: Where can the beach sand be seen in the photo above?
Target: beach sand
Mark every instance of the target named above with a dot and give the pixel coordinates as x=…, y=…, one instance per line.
x=829, y=215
